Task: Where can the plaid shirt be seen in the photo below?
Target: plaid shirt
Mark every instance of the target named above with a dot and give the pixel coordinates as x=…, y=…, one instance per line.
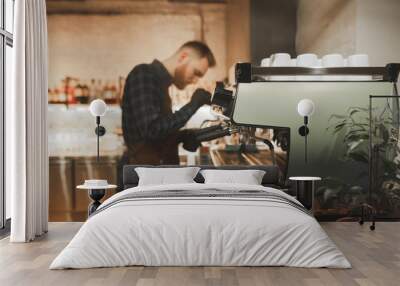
x=146, y=106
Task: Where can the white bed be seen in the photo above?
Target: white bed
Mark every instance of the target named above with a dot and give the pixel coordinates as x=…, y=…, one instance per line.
x=185, y=230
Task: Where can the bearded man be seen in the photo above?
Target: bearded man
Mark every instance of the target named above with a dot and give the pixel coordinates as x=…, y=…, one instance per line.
x=151, y=129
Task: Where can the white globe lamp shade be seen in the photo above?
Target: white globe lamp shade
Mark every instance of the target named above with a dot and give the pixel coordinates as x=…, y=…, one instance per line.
x=98, y=107
x=305, y=107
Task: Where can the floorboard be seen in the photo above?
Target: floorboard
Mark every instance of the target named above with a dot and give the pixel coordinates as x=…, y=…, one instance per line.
x=375, y=257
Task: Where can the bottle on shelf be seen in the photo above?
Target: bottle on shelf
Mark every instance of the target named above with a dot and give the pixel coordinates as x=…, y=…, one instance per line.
x=78, y=92
x=107, y=96
x=85, y=94
x=92, y=89
x=62, y=98
x=70, y=90
x=99, y=89
x=114, y=94
x=57, y=95
x=121, y=86
x=50, y=96
x=73, y=90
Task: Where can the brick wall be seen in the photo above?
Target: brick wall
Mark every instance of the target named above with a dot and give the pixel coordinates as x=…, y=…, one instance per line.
x=104, y=44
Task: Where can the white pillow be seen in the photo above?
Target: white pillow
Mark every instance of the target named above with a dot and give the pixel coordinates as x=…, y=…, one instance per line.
x=248, y=177
x=162, y=176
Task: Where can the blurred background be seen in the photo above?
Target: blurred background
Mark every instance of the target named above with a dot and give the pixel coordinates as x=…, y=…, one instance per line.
x=93, y=45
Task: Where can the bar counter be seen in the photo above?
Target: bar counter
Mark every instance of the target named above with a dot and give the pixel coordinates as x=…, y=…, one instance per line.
x=66, y=203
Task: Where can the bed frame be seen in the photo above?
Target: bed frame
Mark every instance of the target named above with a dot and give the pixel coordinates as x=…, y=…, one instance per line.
x=270, y=179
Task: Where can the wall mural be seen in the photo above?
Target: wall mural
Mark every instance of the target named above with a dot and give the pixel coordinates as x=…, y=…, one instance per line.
x=84, y=66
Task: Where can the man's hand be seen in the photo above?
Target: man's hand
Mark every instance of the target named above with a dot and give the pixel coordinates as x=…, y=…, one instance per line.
x=188, y=138
x=201, y=97
x=281, y=137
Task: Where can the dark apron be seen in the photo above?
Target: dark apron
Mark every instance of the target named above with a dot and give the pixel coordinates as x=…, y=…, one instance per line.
x=160, y=152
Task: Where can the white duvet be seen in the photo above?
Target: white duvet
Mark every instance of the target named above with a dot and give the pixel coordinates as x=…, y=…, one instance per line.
x=200, y=231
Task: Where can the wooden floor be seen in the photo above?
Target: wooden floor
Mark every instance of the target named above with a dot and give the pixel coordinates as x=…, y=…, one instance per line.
x=375, y=257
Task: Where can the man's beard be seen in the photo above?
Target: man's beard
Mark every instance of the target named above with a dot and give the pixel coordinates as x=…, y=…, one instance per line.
x=179, y=77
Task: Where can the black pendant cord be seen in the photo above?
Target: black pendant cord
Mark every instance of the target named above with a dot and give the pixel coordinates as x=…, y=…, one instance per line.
x=98, y=138
x=305, y=148
x=98, y=147
x=305, y=138
x=370, y=169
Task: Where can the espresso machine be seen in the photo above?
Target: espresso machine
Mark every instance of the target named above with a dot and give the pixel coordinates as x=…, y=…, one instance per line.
x=270, y=96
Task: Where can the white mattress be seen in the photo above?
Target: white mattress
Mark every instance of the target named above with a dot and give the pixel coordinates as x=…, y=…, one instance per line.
x=200, y=231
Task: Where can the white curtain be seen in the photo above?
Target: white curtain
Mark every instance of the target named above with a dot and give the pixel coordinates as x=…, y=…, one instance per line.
x=26, y=124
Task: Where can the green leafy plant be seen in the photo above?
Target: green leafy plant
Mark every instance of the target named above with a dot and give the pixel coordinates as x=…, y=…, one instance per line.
x=354, y=127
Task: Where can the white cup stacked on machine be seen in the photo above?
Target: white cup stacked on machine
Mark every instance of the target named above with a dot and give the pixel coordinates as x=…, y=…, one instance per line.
x=333, y=61
x=281, y=60
x=359, y=60
x=311, y=60
x=266, y=62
